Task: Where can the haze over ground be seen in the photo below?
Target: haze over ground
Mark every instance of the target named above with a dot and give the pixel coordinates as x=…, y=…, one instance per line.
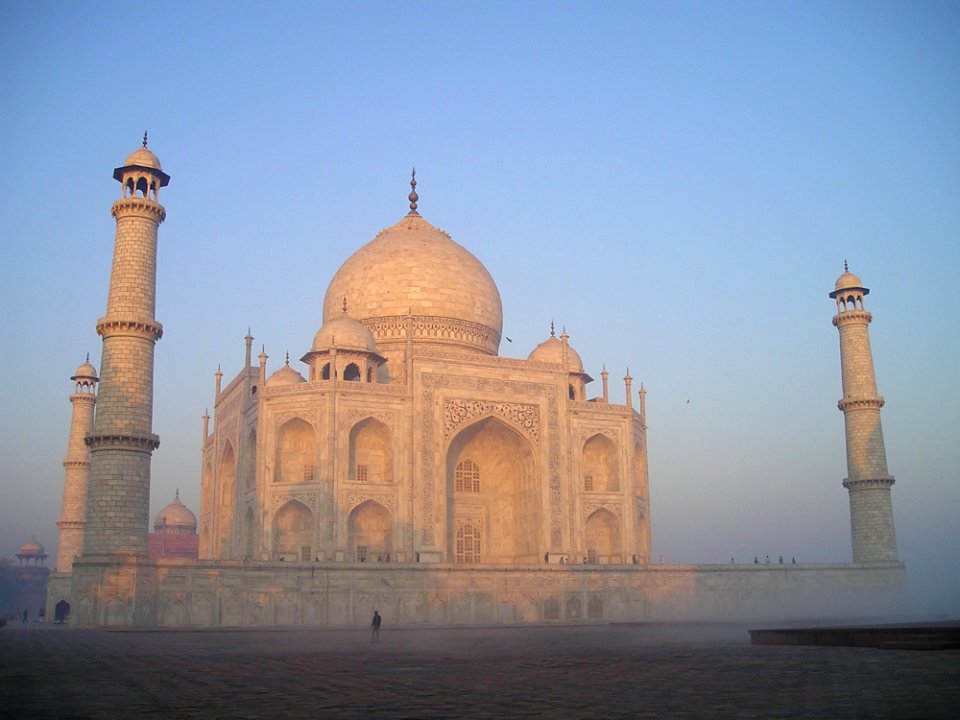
x=677, y=184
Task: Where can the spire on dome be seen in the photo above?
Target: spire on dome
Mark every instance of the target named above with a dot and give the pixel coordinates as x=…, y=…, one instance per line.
x=845, y=268
x=553, y=329
x=413, y=197
x=144, y=138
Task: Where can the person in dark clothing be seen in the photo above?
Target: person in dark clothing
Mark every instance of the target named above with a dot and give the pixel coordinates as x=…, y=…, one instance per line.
x=375, y=627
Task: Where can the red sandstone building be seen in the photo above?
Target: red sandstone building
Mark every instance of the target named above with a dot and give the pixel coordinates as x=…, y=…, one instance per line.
x=175, y=533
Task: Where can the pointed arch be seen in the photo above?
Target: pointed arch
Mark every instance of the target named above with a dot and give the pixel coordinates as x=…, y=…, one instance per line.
x=600, y=464
x=249, y=535
x=296, y=452
x=249, y=471
x=227, y=475
x=293, y=533
x=351, y=373
x=370, y=531
x=492, y=483
x=602, y=537
x=371, y=453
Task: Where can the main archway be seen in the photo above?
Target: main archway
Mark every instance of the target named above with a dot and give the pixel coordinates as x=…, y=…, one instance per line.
x=492, y=488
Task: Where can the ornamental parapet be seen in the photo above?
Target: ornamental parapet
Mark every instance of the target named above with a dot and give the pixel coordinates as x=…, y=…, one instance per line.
x=852, y=316
x=137, y=442
x=131, y=327
x=599, y=407
x=428, y=328
x=867, y=403
x=76, y=463
x=139, y=206
x=439, y=354
x=866, y=483
x=343, y=386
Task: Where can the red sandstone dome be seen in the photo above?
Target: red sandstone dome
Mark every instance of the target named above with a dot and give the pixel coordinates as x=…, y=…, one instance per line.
x=175, y=517
x=31, y=547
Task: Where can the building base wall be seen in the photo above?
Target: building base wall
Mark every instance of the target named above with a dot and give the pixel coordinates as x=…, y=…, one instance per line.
x=180, y=593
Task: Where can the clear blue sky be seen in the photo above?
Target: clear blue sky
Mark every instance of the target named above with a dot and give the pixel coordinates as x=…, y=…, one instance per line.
x=676, y=183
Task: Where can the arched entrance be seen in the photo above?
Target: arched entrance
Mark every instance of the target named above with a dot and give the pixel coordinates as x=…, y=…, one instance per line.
x=228, y=486
x=293, y=533
x=369, y=532
x=602, y=536
x=492, y=489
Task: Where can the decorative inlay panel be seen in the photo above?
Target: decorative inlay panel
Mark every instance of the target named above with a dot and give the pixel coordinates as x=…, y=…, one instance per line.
x=524, y=417
x=355, y=415
x=308, y=499
x=591, y=506
x=388, y=500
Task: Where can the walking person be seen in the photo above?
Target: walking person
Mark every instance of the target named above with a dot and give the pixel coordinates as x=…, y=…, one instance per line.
x=375, y=627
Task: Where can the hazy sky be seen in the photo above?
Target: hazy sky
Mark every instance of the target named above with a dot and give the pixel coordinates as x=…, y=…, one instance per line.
x=676, y=183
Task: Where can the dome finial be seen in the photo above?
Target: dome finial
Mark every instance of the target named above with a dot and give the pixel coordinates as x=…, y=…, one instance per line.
x=553, y=329
x=845, y=268
x=413, y=197
x=144, y=138
x=288, y=358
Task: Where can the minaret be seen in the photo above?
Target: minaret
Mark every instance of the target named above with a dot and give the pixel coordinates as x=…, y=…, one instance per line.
x=122, y=441
x=868, y=481
x=73, y=513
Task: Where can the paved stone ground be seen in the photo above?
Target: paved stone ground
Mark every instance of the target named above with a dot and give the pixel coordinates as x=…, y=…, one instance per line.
x=635, y=671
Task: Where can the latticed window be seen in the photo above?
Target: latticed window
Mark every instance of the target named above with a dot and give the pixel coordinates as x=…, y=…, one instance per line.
x=361, y=553
x=588, y=483
x=363, y=473
x=305, y=553
x=468, y=544
x=308, y=473
x=467, y=476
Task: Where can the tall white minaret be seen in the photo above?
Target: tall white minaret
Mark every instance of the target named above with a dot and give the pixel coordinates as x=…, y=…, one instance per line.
x=76, y=467
x=868, y=481
x=122, y=441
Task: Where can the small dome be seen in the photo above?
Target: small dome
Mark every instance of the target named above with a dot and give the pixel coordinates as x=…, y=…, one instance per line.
x=86, y=370
x=31, y=547
x=344, y=333
x=143, y=157
x=847, y=281
x=176, y=515
x=551, y=350
x=285, y=376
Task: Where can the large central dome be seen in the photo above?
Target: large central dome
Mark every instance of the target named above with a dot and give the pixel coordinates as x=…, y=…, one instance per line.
x=416, y=269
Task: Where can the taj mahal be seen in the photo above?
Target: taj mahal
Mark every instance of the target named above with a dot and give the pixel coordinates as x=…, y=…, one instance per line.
x=409, y=466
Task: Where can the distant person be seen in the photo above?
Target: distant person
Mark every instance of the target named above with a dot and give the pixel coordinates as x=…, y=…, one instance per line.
x=781, y=559
x=768, y=559
x=26, y=617
x=793, y=561
x=375, y=627
x=756, y=560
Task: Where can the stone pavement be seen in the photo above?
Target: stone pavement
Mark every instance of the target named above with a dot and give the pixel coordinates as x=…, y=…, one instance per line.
x=588, y=672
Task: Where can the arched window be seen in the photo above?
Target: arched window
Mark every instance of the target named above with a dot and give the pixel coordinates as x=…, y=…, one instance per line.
x=572, y=391
x=325, y=373
x=467, y=476
x=468, y=544
x=352, y=373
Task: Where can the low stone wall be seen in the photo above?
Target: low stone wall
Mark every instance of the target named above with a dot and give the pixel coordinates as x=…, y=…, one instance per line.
x=178, y=593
